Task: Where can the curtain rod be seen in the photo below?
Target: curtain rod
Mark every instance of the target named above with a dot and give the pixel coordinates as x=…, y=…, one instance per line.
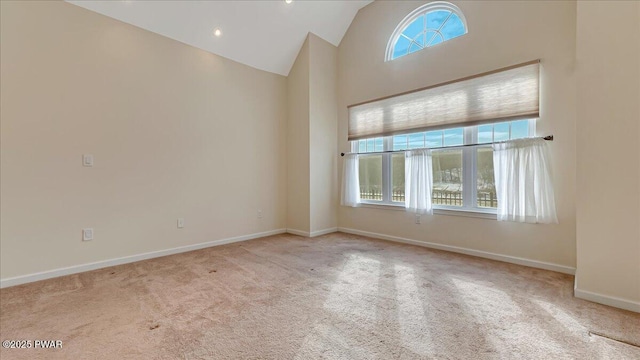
x=548, y=138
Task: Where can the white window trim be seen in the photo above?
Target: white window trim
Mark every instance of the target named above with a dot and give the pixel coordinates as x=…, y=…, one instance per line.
x=432, y=6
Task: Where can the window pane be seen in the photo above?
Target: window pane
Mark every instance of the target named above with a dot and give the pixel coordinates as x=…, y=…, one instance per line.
x=434, y=138
x=486, y=183
x=370, y=144
x=379, y=144
x=397, y=177
x=519, y=129
x=436, y=40
x=447, y=177
x=431, y=37
x=415, y=28
x=436, y=18
x=399, y=142
x=416, y=141
x=414, y=47
x=402, y=46
x=453, y=27
x=371, y=177
x=485, y=134
x=419, y=39
x=501, y=131
x=362, y=146
x=453, y=137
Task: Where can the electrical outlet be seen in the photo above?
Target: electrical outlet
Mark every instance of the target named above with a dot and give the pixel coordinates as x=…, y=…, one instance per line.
x=87, y=234
x=180, y=223
x=417, y=218
x=259, y=214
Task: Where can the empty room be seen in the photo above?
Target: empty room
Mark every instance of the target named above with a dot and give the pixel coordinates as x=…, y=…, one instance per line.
x=300, y=179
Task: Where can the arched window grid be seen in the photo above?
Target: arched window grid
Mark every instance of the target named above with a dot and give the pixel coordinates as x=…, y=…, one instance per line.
x=433, y=34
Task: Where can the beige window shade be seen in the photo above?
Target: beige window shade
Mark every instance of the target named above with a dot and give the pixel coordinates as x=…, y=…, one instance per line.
x=500, y=95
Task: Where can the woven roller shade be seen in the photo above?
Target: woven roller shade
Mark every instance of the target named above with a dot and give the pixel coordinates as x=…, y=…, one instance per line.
x=500, y=95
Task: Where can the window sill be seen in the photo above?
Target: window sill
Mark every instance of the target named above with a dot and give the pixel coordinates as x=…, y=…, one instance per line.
x=467, y=213
x=488, y=214
x=382, y=206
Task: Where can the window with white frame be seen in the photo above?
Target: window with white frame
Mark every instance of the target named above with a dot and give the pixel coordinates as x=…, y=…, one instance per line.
x=495, y=106
x=463, y=177
x=426, y=26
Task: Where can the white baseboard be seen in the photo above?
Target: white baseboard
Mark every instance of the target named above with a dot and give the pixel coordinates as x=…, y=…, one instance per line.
x=323, y=231
x=313, y=233
x=298, y=232
x=483, y=254
x=128, y=259
x=607, y=300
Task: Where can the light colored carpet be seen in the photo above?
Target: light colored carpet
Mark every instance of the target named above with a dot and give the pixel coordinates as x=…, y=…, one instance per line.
x=338, y=296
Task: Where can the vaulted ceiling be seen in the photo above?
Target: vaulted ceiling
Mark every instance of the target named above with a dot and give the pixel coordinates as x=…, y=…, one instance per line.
x=266, y=35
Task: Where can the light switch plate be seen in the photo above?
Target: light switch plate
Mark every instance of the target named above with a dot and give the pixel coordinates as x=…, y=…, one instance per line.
x=87, y=234
x=87, y=160
x=180, y=223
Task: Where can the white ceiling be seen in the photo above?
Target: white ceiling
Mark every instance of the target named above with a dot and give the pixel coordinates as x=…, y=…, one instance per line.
x=266, y=35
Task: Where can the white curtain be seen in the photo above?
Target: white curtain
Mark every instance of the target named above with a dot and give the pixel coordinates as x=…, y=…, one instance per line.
x=418, y=181
x=523, y=181
x=350, y=181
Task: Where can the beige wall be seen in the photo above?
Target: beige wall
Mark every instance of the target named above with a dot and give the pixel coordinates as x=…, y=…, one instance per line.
x=175, y=131
x=501, y=33
x=298, y=198
x=323, y=122
x=312, y=139
x=608, y=138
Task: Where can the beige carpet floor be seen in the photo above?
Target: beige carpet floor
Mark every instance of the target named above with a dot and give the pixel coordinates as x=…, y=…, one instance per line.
x=338, y=296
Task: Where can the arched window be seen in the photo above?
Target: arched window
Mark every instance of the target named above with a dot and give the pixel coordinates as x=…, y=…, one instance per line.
x=428, y=25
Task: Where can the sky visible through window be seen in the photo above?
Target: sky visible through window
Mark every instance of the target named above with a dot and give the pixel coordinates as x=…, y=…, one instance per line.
x=427, y=30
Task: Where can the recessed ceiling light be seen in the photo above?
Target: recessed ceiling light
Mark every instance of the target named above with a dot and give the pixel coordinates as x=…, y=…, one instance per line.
x=217, y=32
x=288, y=1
